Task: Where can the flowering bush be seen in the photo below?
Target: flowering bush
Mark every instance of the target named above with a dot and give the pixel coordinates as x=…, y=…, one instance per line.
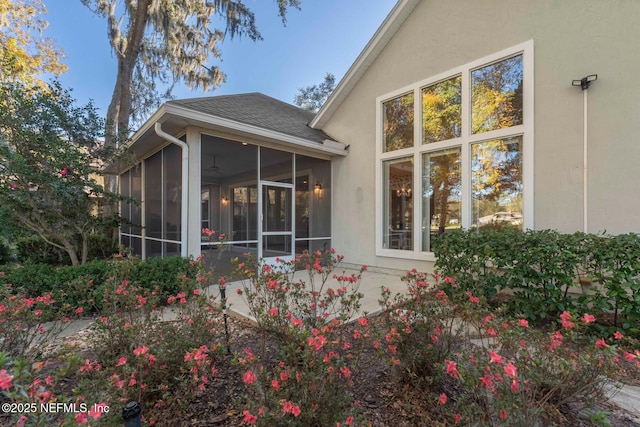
x=307, y=380
x=23, y=326
x=35, y=394
x=483, y=368
x=150, y=355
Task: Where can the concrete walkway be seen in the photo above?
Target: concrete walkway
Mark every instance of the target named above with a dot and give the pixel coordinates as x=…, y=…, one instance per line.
x=370, y=287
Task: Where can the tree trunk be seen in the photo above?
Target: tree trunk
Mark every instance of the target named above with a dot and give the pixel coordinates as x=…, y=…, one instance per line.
x=85, y=247
x=119, y=112
x=71, y=250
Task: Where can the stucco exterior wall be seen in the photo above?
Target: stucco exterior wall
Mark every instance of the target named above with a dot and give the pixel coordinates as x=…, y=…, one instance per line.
x=572, y=38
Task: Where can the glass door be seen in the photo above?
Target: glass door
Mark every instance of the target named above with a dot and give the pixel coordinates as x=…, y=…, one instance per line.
x=277, y=221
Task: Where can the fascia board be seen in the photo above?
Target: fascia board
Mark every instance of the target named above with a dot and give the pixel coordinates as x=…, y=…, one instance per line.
x=148, y=125
x=328, y=146
x=378, y=42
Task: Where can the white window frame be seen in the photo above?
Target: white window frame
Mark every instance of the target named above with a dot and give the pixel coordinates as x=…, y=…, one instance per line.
x=525, y=130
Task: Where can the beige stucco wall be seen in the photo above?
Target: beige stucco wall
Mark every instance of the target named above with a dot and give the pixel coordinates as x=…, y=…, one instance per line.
x=572, y=38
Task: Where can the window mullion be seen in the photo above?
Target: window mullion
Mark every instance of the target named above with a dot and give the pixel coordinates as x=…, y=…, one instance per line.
x=417, y=171
x=466, y=149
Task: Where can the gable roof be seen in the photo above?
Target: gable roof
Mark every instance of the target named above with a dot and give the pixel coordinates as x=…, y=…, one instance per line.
x=378, y=42
x=257, y=109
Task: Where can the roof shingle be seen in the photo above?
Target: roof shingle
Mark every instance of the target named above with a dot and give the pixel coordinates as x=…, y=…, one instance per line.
x=259, y=110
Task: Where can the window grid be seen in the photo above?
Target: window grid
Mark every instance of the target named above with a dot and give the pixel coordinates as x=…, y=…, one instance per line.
x=464, y=143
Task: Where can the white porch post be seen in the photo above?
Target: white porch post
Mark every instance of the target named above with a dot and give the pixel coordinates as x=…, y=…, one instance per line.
x=193, y=218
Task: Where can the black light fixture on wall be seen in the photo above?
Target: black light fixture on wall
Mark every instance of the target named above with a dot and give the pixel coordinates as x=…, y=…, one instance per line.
x=585, y=82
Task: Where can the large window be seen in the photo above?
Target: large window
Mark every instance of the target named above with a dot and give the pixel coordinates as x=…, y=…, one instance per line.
x=464, y=159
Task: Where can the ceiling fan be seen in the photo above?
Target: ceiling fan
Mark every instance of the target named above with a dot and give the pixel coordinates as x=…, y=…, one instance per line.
x=215, y=168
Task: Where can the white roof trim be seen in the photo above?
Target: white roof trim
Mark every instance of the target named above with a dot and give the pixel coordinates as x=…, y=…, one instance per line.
x=383, y=35
x=327, y=146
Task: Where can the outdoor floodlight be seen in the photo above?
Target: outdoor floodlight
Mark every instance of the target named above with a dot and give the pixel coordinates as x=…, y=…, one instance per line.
x=585, y=81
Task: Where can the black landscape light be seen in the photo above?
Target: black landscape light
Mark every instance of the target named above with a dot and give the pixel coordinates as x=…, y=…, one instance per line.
x=131, y=415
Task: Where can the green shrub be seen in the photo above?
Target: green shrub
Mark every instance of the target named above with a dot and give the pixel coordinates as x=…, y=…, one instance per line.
x=101, y=247
x=83, y=285
x=165, y=273
x=36, y=250
x=6, y=255
x=32, y=279
x=540, y=268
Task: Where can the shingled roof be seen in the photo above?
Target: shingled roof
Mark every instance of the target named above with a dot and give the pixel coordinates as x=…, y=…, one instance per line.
x=259, y=110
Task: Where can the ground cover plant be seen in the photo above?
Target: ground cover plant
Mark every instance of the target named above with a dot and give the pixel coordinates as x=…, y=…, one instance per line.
x=436, y=355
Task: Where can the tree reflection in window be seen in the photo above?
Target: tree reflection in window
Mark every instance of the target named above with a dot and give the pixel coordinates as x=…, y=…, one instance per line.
x=496, y=99
x=442, y=193
x=398, y=123
x=442, y=111
x=496, y=181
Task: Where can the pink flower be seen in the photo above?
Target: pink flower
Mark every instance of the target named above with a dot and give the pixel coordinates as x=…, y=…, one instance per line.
x=64, y=171
x=97, y=410
x=248, y=418
x=452, y=369
x=79, y=310
x=601, y=343
x=249, y=377
x=588, y=318
x=363, y=322
x=273, y=311
x=510, y=370
x=523, y=323
x=5, y=380
x=287, y=406
x=629, y=357
x=349, y=421
x=457, y=418
x=503, y=414
x=495, y=357
x=140, y=351
x=514, y=385
x=346, y=372
x=443, y=399
x=81, y=418
x=487, y=382
x=121, y=361
x=275, y=384
x=295, y=410
x=617, y=335
x=208, y=232
x=567, y=324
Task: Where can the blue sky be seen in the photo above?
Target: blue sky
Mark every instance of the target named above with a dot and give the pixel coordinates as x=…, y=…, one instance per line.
x=324, y=36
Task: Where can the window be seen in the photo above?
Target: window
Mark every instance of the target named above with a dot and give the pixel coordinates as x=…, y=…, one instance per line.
x=441, y=194
x=398, y=183
x=442, y=110
x=471, y=166
x=398, y=122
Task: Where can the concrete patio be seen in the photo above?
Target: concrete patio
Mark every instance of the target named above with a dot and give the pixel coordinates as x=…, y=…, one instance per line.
x=370, y=286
